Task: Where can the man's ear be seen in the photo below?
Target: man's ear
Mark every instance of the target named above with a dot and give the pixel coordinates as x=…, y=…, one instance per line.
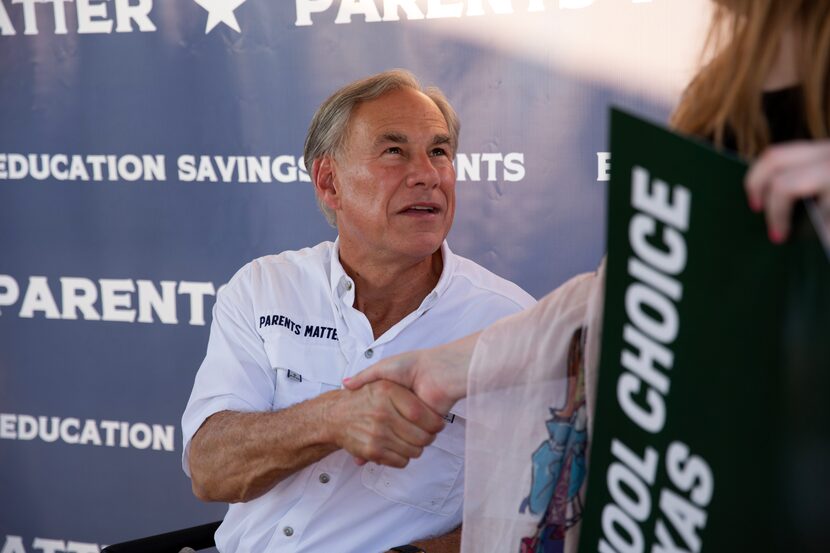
x=323, y=172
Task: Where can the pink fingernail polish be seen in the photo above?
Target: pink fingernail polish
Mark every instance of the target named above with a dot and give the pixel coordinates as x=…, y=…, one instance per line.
x=754, y=204
x=775, y=236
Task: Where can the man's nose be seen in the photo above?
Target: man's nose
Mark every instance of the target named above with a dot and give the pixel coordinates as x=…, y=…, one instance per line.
x=423, y=172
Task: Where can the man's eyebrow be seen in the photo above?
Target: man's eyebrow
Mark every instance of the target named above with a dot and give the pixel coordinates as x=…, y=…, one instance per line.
x=441, y=139
x=394, y=137
x=399, y=138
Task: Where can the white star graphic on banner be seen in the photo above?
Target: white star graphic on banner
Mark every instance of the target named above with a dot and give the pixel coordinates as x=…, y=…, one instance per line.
x=221, y=11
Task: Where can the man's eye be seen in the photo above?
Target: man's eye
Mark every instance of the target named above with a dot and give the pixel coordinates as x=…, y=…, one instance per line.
x=393, y=150
x=438, y=152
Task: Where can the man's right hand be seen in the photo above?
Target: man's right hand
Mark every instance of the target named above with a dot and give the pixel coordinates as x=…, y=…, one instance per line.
x=236, y=457
x=381, y=422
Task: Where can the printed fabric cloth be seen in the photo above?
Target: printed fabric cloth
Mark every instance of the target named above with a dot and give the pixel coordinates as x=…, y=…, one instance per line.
x=530, y=405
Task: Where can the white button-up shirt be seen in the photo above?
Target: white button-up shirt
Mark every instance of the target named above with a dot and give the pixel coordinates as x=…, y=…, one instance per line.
x=285, y=330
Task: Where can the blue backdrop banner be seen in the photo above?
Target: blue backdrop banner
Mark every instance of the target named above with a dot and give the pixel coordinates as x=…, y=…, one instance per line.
x=150, y=148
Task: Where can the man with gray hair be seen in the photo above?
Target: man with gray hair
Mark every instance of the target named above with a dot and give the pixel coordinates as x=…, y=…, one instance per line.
x=308, y=465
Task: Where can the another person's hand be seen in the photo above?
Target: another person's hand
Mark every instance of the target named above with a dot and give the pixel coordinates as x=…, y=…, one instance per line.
x=785, y=173
x=438, y=376
x=382, y=422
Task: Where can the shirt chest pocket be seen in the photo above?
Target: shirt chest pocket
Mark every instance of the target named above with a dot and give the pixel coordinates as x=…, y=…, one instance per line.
x=434, y=482
x=304, y=370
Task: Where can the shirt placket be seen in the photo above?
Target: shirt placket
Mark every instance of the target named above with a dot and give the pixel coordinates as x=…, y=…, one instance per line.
x=354, y=331
x=323, y=479
x=359, y=346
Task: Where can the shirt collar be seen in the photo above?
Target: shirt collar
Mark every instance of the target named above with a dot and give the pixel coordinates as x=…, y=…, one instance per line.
x=340, y=282
x=450, y=262
x=342, y=286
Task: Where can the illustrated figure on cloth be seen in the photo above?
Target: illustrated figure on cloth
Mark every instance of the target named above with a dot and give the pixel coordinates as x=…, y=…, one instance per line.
x=559, y=464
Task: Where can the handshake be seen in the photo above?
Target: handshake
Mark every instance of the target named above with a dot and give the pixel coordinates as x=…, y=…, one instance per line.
x=391, y=411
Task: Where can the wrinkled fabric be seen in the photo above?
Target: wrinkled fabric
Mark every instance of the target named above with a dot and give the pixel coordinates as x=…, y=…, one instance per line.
x=529, y=422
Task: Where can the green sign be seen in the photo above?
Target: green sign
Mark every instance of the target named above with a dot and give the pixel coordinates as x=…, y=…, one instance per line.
x=711, y=432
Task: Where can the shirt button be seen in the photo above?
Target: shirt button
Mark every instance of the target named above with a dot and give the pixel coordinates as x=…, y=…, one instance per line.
x=288, y=531
x=348, y=285
x=324, y=478
x=368, y=353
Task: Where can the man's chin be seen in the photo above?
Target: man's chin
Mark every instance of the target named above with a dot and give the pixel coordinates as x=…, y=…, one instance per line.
x=421, y=249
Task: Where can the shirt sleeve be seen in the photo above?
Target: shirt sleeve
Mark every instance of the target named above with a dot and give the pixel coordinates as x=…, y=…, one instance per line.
x=235, y=374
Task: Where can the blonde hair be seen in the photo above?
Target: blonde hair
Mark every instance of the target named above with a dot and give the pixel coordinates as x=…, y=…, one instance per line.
x=726, y=95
